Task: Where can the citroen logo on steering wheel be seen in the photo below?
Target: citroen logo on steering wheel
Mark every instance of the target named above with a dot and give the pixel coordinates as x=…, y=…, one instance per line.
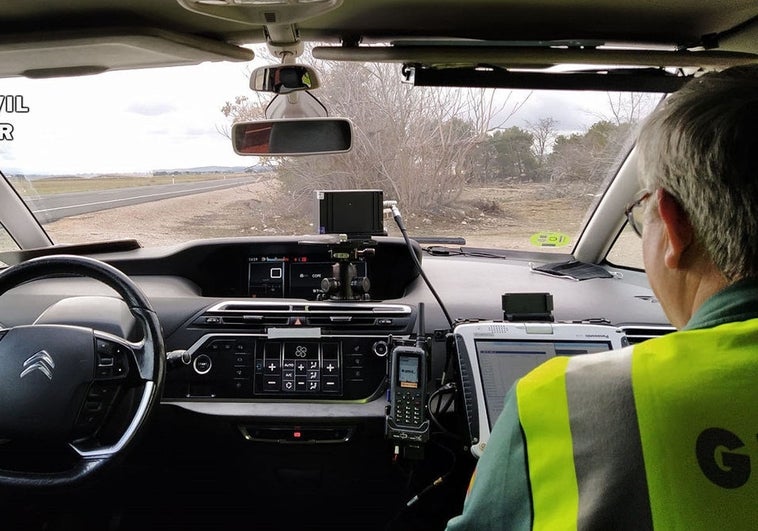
x=41, y=361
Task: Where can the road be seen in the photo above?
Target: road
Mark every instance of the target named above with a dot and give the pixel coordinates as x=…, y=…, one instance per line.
x=57, y=206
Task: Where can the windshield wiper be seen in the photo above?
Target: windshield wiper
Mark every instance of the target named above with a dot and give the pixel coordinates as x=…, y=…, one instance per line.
x=439, y=250
x=446, y=240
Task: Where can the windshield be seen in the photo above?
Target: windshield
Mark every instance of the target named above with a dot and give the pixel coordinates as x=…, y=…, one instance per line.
x=146, y=154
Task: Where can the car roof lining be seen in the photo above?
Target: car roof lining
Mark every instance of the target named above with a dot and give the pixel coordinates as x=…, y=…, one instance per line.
x=51, y=54
x=64, y=37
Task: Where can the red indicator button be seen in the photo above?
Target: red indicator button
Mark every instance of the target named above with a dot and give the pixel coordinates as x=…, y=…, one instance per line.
x=296, y=434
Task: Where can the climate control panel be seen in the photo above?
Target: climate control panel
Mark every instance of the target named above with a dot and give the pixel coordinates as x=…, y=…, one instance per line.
x=258, y=366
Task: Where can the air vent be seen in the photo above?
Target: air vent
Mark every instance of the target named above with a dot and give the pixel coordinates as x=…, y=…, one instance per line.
x=358, y=317
x=220, y=320
x=270, y=17
x=639, y=333
x=341, y=320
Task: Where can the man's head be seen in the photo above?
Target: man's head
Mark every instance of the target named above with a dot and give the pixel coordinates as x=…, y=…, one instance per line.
x=699, y=161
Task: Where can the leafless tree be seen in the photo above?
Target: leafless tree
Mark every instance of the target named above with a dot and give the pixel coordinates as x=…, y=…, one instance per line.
x=414, y=143
x=626, y=107
x=544, y=132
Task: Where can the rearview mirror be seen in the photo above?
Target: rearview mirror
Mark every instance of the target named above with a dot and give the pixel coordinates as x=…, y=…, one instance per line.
x=283, y=79
x=290, y=137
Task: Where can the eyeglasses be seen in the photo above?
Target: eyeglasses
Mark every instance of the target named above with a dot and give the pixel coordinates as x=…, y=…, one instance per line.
x=634, y=214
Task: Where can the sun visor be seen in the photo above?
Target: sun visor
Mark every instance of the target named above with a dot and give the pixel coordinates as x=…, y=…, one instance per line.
x=55, y=54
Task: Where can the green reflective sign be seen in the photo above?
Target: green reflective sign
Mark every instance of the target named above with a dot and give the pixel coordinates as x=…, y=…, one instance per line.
x=550, y=239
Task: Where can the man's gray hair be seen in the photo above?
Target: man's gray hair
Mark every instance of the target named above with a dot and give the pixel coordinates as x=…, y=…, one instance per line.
x=701, y=146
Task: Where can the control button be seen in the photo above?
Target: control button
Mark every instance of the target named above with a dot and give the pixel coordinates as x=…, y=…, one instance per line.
x=313, y=386
x=331, y=368
x=288, y=374
x=301, y=384
x=242, y=386
x=242, y=372
x=288, y=386
x=312, y=364
x=272, y=383
x=104, y=360
x=258, y=366
x=300, y=367
x=88, y=421
x=271, y=367
x=104, y=347
x=241, y=360
x=331, y=384
x=355, y=360
x=288, y=365
x=99, y=391
x=354, y=373
x=313, y=375
x=103, y=373
x=93, y=406
x=119, y=369
x=380, y=348
x=202, y=364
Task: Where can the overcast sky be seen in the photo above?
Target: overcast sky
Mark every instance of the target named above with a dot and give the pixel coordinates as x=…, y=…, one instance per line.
x=137, y=121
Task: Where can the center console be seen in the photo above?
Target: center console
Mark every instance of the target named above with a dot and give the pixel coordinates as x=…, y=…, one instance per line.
x=315, y=352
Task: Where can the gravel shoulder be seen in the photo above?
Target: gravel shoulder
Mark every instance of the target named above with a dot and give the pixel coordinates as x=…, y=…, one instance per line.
x=503, y=217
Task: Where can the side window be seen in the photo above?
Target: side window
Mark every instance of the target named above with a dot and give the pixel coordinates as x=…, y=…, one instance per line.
x=6, y=242
x=626, y=250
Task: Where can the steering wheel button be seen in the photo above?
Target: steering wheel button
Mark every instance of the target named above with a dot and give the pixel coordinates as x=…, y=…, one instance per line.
x=93, y=406
x=103, y=372
x=104, y=347
x=100, y=391
x=105, y=361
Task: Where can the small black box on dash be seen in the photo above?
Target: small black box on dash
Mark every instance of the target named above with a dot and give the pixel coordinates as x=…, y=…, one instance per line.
x=519, y=307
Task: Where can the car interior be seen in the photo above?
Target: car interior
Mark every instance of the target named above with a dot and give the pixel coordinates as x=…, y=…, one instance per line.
x=345, y=373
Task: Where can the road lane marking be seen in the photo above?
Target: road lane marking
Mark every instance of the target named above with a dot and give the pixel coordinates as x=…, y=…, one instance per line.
x=129, y=198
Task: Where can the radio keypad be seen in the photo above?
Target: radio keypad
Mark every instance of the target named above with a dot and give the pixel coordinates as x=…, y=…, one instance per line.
x=409, y=408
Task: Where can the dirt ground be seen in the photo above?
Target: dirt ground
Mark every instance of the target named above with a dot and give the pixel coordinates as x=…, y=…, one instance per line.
x=488, y=217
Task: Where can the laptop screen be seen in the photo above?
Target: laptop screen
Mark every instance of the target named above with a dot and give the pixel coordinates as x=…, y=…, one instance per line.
x=503, y=361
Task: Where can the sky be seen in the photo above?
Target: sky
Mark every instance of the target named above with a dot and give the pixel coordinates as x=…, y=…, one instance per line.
x=163, y=118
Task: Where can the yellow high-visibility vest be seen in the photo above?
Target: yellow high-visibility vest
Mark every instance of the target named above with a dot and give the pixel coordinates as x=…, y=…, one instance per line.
x=660, y=435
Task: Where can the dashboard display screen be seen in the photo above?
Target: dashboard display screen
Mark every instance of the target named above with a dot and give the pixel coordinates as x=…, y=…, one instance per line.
x=290, y=276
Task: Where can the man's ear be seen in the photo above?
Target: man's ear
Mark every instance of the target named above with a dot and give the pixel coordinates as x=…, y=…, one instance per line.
x=678, y=229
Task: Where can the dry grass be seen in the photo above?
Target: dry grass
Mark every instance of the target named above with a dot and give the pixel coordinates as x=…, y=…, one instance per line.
x=61, y=185
x=488, y=217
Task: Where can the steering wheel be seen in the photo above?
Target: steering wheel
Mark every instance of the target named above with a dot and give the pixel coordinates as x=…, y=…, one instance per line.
x=60, y=385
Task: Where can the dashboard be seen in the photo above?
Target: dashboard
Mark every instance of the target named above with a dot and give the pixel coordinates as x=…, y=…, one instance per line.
x=260, y=335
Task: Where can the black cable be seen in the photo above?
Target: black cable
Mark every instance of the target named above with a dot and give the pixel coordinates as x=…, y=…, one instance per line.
x=447, y=388
x=440, y=480
x=399, y=220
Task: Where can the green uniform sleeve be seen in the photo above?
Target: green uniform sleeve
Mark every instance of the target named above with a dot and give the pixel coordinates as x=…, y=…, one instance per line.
x=499, y=496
